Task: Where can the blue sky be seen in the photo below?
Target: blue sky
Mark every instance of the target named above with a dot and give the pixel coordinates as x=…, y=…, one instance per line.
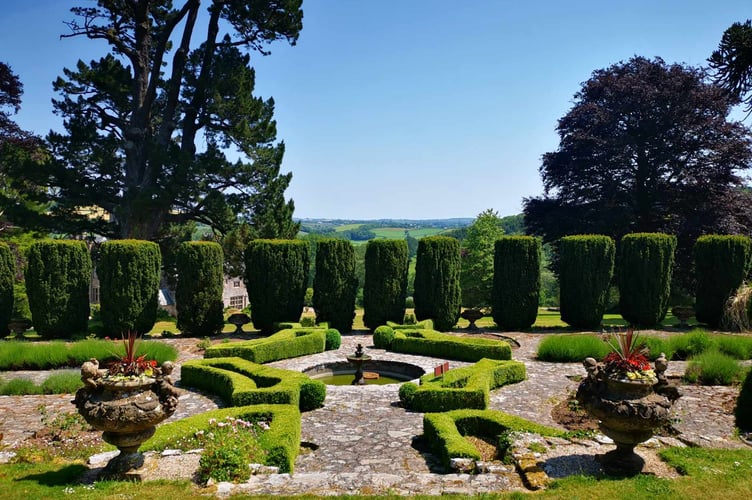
x=413, y=108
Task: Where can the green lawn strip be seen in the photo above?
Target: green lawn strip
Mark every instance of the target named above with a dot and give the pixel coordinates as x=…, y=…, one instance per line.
x=24, y=481
x=568, y=348
x=289, y=343
x=281, y=441
x=445, y=431
x=22, y=355
x=466, y=387
x=431, y=343
x=240, y=383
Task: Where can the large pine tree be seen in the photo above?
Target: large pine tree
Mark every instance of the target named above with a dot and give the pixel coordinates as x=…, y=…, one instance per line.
x=133, y=119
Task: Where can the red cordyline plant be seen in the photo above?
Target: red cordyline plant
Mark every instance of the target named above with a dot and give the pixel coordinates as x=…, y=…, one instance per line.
x=130, y=364
x=629, y=356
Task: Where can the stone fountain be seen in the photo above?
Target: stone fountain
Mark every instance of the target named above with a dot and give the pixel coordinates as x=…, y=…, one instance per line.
x=357, y=361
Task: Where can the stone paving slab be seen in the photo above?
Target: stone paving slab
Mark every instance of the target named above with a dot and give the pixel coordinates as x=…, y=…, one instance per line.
x=361, y=440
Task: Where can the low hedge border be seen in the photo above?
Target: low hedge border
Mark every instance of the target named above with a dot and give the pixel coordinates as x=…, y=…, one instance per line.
x=284, y=344
x=281, y=441
x=440, y=345
x=466, y=387
x=445, y=431
x=241, y=383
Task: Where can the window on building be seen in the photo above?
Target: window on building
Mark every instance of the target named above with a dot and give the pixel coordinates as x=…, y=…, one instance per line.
x=94, y=295
x=237, y=301
x=236, y=284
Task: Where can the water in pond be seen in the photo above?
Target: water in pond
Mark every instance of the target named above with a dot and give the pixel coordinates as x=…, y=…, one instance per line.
x=347, y=378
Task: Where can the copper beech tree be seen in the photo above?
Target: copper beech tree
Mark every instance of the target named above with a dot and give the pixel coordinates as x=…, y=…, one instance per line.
x=647, y=147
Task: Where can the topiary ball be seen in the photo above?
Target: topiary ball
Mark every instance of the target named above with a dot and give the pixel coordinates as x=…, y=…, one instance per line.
x=312, y=395
x=406, y=393
x=333, y=339
x=383, y=336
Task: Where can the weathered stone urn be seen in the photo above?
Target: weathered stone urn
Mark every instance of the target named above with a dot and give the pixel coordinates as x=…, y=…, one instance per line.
x=628, y=411
x=472, y=315
x=126, y=409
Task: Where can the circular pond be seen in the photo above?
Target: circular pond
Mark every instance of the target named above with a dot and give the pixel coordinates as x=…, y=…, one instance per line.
x=375, y=372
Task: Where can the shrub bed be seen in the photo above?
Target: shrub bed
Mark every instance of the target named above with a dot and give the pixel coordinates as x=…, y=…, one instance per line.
x=18, y=355
x=433, y=343
x=281, y=441
x=713, y=368
x=466, y=387
x=56, y=383
x=445, y=431
x=284, y=344
x=571, y=348
x=575, y=348
x=241, y=383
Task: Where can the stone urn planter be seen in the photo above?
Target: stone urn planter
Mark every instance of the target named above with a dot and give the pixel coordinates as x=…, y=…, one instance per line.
x=472, y=315
x=126, y=409
x=628, y=411
x=683, y=313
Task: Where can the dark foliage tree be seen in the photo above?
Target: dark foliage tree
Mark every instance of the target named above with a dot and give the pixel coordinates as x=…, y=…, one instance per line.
x=133, y=120
x=276, y=276
x=7, y=277
x=437, y=281
x=17, y=146
x=198, y=294
x=335, y=284
x=646, y=263
x=128, y=272
x=647, y=147
x=732, y=62
x=586, y=269
x=516, y=283
x=385, y=287
x=58, y=274
x=722, y=263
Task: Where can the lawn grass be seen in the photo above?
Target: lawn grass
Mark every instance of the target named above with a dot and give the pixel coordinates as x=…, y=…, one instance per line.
x=706, y=472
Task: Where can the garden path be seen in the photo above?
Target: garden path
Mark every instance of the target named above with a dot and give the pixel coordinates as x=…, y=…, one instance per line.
x=361, y=441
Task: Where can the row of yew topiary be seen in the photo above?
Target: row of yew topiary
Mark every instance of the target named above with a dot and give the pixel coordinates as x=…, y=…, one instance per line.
x=58, y=274
x=644, y=276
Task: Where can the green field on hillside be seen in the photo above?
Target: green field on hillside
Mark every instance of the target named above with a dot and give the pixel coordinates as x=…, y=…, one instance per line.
x=396, y=233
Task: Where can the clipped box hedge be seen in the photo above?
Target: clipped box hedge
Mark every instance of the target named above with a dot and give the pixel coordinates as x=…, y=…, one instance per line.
x=466, y=387
x=281, y=441
x=445, y=431
x=284, y=344
x=440, y=345
x=241, y=383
